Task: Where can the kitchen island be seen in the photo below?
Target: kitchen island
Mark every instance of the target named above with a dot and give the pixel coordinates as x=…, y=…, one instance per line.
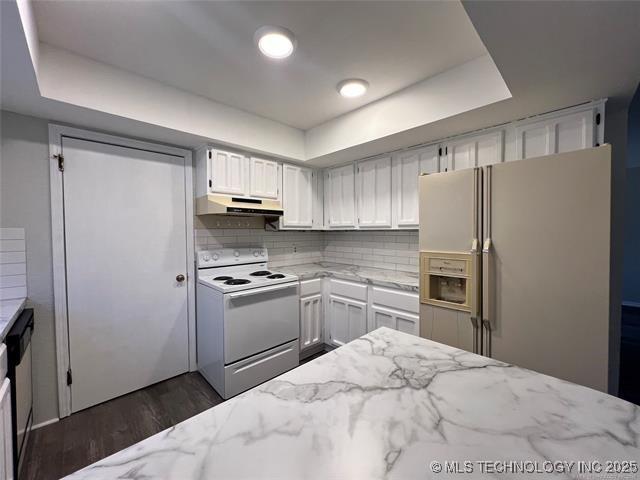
x=387, y=405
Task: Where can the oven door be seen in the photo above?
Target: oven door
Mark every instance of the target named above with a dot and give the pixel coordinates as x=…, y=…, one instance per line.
x=258, y=319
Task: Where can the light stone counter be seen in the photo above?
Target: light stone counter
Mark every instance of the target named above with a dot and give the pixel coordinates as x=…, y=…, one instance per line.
x=375, y=276
x=385, y=406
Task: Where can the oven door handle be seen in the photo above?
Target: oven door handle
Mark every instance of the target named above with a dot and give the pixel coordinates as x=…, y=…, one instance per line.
x=257, y=291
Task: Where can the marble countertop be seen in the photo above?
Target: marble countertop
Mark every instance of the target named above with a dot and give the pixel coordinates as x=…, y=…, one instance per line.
x=387, y=405
x=9, y=312
x=377, y=276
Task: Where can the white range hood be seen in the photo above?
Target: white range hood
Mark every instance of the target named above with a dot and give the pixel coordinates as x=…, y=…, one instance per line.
x=227, y=205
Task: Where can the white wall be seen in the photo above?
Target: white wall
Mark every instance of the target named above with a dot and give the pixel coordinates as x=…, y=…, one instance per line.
x=471, y=85
x=25, y=202
x=97, y=86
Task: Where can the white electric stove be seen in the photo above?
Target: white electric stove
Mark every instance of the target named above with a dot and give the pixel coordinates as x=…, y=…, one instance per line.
x=247, y=319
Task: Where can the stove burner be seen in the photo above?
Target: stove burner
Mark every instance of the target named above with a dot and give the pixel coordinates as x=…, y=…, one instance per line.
x=237, y=281
x=276, y=275
x=223, y=278
x=260, y=273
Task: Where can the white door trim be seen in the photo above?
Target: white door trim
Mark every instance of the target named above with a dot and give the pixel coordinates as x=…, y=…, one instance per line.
x=56, y=132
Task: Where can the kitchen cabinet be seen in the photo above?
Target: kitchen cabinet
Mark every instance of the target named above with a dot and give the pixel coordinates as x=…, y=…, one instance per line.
x=297, y=197
x=393, y=308
x=395, y=319
x=347, y=319
x=340, y=199
x=373, y=193
x=311, y=321
x=227, y=172
x=557, y=134
x=264, y=178
x=475, y=151
x=406, y=168
x=346, y=313
x=6, y=441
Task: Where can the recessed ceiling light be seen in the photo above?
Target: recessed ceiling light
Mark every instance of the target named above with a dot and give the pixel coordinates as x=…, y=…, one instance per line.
x=275, y=42
x=352, y=87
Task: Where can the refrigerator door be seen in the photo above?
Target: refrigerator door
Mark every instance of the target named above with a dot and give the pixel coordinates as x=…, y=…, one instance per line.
x=546, y=264
x=450, y=222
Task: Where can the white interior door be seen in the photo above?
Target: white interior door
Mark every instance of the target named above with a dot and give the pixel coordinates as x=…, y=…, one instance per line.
x=125, y=239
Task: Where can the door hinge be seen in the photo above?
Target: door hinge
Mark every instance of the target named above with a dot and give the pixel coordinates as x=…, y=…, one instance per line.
x=210, y=183
x=60, y=159
x=69, y=377
x=209, y=153
x=597, y=119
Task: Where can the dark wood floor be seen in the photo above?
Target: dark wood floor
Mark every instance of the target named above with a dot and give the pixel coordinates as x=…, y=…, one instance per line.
x=85, y=437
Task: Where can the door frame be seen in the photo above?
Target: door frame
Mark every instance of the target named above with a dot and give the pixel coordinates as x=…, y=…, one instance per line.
x=56, y=132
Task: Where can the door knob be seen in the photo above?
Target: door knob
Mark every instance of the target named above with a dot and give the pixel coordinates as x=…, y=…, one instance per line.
x=180, y=277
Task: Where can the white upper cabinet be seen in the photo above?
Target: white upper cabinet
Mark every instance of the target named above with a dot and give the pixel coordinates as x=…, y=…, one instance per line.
x=264, y=178
x=374, y=193
x=559, y=134
x=297, y=196
x=475, y=151
x=407, y=167
x=340, y=199
x=227, y=172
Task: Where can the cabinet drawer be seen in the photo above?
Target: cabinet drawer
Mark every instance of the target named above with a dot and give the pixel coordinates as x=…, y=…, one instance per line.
x=398, y=299
x=348, y=289
x=310, y=287
x=245, y=374
x=3, y=361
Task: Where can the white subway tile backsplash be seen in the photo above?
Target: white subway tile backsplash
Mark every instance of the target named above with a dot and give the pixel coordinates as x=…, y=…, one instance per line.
x=394, y=250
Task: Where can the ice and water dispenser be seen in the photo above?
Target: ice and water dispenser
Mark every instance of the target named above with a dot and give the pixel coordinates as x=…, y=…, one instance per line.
x=447, y=279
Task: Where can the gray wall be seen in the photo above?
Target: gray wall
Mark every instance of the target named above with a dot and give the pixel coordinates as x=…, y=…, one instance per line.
x=631, y=269
x=25, y=202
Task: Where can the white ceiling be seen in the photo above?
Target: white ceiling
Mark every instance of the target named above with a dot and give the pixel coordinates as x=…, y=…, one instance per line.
x=207, y=48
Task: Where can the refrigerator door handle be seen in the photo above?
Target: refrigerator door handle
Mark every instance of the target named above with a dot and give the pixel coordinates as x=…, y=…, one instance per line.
x=487, y=289
x=476, y=314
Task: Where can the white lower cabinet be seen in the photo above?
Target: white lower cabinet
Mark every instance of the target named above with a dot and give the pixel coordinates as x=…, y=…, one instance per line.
x=311, y=321
x=347, y=319
x=395, y=319
x=392, y=308
x=336, y=311
x=6, y=441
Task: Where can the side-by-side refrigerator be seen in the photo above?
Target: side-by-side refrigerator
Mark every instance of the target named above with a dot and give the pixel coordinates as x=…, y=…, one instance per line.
x=514, y=262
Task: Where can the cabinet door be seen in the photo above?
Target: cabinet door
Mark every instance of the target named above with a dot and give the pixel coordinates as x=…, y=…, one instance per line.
x=395, y=319
x=227, y=172
x=264, y=178
x=340, y=197
x=374, y=193
x=560, y=134
x=297, y=197
x=476, y=151
x=462, y=154
x=574, y=132
x=311, y=321
x=347, y=319
x=407, y=167
x=6, y=439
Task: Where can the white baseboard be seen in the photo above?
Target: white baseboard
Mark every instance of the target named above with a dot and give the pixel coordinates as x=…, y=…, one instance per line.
x=44, y=424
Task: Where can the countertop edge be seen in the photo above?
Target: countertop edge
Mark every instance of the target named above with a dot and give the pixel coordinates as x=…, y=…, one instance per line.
x=15, y=307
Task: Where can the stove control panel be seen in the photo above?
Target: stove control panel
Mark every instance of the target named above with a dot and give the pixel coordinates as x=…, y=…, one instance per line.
x=222, y=257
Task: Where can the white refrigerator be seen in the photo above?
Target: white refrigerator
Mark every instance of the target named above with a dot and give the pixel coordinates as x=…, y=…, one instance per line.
x=514, y=262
